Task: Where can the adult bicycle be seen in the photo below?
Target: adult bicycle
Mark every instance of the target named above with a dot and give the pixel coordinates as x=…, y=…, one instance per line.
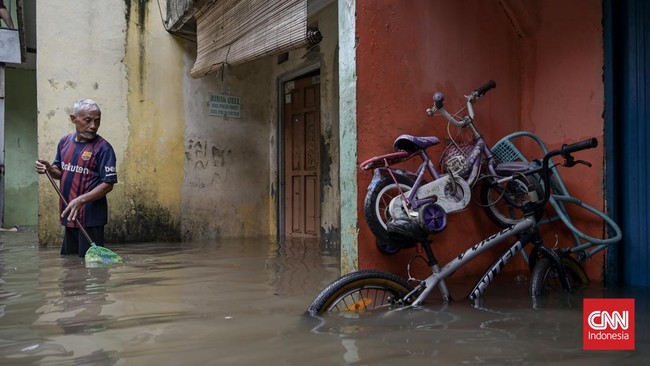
x=584, y=245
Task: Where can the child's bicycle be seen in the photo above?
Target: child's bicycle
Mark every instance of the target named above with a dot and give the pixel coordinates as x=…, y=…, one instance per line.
x=396, y=193
x=371, y=290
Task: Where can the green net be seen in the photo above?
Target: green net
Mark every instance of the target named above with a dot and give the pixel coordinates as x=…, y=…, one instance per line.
x=101, y=255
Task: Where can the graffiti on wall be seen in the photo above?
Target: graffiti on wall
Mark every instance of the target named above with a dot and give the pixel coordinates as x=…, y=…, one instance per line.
x=205, y=163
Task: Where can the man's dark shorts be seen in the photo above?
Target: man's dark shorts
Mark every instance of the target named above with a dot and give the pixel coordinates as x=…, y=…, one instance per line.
x=75, y=242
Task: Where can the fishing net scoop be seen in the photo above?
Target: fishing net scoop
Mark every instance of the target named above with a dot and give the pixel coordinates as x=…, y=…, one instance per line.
x=96, y=254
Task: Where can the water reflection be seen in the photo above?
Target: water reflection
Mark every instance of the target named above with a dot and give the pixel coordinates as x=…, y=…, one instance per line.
x=242, y=302
x=78, y=309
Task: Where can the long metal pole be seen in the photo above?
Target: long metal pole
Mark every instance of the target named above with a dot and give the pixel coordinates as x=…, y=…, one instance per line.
x=66, y=203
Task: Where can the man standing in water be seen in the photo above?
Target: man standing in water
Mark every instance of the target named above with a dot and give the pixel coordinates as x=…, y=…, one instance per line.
x=85, y=165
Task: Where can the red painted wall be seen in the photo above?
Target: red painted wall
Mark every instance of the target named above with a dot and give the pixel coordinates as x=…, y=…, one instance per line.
x=563, y=99
x=547, y=62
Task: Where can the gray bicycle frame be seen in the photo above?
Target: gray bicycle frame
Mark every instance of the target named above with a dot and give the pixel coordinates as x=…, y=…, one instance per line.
x=436, y=279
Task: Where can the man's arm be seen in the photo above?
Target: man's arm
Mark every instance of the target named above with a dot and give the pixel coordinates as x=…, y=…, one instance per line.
x=73, y=206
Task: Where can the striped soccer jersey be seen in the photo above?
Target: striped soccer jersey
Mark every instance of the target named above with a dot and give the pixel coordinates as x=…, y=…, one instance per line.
x=84, y=165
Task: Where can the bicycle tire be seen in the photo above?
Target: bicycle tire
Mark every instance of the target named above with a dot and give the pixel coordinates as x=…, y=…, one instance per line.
x=495, y=205
x=544, y=277
x=376, y=208
x=361, y=292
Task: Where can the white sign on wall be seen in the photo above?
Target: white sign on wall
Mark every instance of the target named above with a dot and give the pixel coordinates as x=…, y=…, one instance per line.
x=223, y=105
x=9, y=46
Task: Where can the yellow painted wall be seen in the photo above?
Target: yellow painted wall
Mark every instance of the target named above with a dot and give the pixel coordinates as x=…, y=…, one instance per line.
x=123, y=58
x=183, y=174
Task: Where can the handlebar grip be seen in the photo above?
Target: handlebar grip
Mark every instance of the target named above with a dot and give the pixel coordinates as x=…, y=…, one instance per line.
x=438, y=100
x=582, y=145
x=486, y=87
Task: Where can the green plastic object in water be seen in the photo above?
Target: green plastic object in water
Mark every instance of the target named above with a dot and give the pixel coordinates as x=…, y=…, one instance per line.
x=95, y=254
x=101, y=255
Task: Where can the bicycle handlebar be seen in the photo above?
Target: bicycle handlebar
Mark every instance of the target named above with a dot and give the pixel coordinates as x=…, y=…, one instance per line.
x=544, y=170
x=439, y=101
x=565, y=151
x=485, y=88
x=582, y=145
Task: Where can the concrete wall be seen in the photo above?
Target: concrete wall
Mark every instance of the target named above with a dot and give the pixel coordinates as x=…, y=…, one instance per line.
x=183, y=174
x=563, y=100
x=548, y=69
x=119, y=54
x=20, y=190
x=230, y=187
x=348, y=135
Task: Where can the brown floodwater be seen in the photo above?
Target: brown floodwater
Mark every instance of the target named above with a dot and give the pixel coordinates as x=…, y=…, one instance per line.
x=243, y=302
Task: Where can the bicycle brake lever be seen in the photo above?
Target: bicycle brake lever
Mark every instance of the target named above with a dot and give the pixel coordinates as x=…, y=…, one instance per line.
x=569, y=161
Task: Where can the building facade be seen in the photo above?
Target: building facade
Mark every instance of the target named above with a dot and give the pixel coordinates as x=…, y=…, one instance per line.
x=271, y=146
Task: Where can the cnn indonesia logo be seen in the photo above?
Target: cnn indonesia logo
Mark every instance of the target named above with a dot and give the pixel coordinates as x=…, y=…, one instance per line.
x=608, y=324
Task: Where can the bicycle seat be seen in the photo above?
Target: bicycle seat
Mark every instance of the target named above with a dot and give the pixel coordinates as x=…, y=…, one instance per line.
x=512, y=167
x=385, y=160
x=411, y=144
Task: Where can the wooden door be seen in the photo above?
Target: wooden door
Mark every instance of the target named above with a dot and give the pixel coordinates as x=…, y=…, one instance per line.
x=302, y=157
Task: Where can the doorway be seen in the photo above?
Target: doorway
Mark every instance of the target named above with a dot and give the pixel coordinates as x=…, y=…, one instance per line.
x=301, y=156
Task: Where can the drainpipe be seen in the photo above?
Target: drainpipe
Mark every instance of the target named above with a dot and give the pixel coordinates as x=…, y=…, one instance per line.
x=2, y=143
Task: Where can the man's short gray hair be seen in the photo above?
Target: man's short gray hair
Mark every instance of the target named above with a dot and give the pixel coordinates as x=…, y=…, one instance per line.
x=87, y=105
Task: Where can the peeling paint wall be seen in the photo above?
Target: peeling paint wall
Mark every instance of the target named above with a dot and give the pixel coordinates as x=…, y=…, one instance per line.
x=231, y=164
x=348, y=136
x=119, y=54
x=327, y=53
x=21, y=183
x=183, y=174
x=226, y=160
x=150, y=204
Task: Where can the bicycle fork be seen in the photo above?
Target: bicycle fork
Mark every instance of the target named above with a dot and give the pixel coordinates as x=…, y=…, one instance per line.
x=540, y=249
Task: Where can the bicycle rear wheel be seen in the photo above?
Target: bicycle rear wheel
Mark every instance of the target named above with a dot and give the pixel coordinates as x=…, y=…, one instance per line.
x=545, y=280
x=376, y=208
x=361, y=292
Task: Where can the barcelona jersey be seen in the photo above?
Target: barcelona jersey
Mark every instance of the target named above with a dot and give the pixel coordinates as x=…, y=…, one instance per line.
x=85, y=165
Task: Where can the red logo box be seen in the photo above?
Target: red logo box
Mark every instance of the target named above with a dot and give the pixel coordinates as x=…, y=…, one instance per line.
x=608, y=324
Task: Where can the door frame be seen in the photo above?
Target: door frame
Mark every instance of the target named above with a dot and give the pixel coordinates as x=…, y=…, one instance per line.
x=296, y=73
x=622, y=25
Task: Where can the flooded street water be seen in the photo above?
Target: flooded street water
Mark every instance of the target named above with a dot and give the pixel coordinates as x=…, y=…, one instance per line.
x=242, y=302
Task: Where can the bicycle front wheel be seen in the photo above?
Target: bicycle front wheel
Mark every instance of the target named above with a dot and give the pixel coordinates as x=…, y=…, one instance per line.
x=361, y=292
x=545, y=280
